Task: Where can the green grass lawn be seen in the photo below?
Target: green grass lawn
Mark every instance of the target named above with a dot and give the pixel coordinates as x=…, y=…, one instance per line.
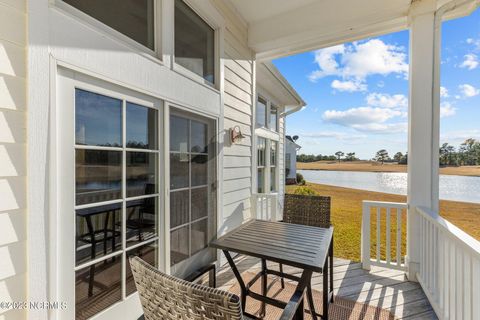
x=346, y=215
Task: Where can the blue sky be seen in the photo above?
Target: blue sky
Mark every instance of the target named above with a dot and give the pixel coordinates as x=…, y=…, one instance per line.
x=357, y=93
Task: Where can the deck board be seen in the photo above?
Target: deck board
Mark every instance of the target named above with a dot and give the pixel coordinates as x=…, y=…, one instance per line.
x=378, y=287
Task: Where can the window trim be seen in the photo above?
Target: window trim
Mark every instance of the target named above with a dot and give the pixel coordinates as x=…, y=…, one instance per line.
x=115, y=35
x=68, y=81
x=268, y=106
x=261, y=97
x=210, y=15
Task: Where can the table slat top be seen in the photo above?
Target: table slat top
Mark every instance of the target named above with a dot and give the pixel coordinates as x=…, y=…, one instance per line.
x=291, y=244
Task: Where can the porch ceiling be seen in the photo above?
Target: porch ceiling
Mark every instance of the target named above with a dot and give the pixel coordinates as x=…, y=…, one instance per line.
x=283, y=27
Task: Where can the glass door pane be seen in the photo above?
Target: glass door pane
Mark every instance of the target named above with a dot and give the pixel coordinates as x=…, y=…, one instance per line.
x=117, y=197
x=192, y=191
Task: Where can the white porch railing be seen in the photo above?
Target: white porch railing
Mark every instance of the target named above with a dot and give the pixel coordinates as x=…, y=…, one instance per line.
x=386, y=215
x=449, y=267
x=265, y=206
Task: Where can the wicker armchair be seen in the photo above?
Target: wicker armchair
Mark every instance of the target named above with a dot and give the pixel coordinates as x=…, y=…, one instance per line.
x=307, y=210
x=165, y=297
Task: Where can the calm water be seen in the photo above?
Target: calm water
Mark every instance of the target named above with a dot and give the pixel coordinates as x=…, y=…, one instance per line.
x=458, y=188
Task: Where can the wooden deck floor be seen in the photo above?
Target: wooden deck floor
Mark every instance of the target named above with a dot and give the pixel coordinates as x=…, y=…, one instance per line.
x=379, y=287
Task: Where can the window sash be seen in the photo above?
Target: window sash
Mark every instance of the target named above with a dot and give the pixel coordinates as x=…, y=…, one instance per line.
x=150, y=37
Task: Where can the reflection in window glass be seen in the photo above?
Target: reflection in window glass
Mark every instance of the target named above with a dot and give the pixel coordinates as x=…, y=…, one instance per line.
x=179, y=245
x=261, y=146
x=261, y=113
x=147, y=253
x=199, y=235
x=98, y=285
x=194, y=42
x=98, y=119
x=199, y=205
x=179, y=134
x=199, y=137
x=98, y=175
x=142, y=220
x=141, y=173
x=179, y=208
x=98, y=232
x=133, y=18
x=273, y=153
x=273, y=118
x=260, y=180
x=199, y=170
x=191, y=196
x=141, y=127
x=273, y=179
x=179, y=170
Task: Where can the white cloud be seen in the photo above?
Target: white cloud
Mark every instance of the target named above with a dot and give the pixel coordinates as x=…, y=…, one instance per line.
x=460, y=135
x=447, y=110
x=468, y=90
x=355, y=62
x=383, y=128
x=325, y=59
x=474, y=42
x=359, y=116
x=470, y=61
x=443, y=92
x=349, y=86
x=333, y=134
x=384, y=100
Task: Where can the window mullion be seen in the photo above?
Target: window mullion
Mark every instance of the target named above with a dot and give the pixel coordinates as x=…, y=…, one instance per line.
x=124, y=196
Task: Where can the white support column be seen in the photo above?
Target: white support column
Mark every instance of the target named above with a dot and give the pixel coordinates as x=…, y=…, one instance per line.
x=424, y=121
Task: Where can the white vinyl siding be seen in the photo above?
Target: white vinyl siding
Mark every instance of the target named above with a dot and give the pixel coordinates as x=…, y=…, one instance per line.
x=13, y=188
x=238, y=95
x=281, y=160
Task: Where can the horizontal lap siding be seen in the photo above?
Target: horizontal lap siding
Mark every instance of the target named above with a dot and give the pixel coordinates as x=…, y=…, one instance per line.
x=281, y=162
x=13, y=187
x=238, y=91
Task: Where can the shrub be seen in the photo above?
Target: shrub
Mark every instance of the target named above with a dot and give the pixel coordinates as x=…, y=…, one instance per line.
x=304, y=191
x=300, y=179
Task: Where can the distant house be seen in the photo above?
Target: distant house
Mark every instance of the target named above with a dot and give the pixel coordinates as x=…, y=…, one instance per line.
x=291, y=148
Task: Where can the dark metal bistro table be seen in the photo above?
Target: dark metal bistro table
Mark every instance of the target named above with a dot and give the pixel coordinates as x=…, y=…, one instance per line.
x=305, y=247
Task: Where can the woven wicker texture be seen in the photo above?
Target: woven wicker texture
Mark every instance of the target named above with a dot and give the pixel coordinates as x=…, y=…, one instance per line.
x=341, y=309
x=165, y=297
x=307, y=210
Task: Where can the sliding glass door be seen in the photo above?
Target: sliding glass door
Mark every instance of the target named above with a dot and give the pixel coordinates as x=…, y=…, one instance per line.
x=132, y=176
x=192, y=191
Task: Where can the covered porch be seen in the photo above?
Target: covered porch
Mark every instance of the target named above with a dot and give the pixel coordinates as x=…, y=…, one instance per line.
x=380, y=287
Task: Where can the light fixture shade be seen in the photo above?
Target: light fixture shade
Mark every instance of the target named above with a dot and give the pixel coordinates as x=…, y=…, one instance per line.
x=236, y=134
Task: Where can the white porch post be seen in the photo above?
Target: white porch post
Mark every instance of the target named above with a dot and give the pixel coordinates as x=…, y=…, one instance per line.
x=424, y=121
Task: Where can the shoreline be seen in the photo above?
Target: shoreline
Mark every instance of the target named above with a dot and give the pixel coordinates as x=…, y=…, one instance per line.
x=369, y=166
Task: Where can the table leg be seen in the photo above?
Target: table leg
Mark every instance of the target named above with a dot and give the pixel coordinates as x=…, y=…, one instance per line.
x=243, y=288
x=93, y=254
x=325, y=289
x=331, y=268
x=304, y=283
x=264, y=286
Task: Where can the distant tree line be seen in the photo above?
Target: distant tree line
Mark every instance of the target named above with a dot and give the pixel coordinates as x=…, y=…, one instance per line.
x=467, y=154
x=339, y=155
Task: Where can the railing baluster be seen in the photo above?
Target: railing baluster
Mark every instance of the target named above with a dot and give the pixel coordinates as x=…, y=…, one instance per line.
x=365, y=250
x=441, y=269
x=399, y=236
x=467, y=287
x=387, y=232
x=452, y=281
x=459, y=281
x=475, y=287
x=378, y=234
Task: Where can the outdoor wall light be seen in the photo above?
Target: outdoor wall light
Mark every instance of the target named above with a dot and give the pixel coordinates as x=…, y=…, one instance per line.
x=236, y=134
